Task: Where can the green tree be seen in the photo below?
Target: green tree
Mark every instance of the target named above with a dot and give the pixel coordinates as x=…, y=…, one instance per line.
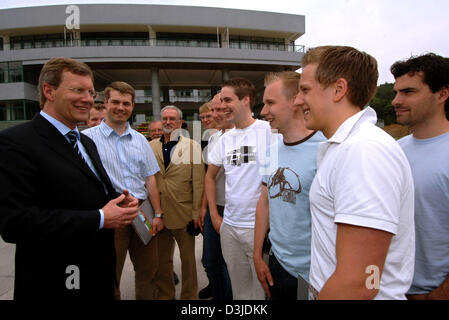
x=382, y=103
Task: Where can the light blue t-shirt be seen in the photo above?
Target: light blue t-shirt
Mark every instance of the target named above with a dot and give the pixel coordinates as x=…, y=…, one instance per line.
x=288, y=193
x=429, y=160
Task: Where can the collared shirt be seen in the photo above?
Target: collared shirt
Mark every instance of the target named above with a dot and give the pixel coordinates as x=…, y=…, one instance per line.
x=128, y=158
x=167, y=148
x=363, y=179
x=63, y=129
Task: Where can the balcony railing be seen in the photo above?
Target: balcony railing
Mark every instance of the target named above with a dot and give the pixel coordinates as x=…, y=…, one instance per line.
x=193, y=43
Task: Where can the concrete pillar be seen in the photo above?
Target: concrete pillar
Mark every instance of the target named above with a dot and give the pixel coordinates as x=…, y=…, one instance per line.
x=152, y=36
x=225, y=38
x=155, y=90
x=6, y=45
x=9, y=112
x=225, y=74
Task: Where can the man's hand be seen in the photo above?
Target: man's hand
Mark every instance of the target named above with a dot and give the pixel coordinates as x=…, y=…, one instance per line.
x=201, y=217
x=116, y=217
x=196, y=223
x=158, y=225
x=263, y=274
x=217, y=220
x=129, y=200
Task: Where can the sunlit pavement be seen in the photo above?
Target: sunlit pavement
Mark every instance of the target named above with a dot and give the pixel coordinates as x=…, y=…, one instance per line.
x=127, y=282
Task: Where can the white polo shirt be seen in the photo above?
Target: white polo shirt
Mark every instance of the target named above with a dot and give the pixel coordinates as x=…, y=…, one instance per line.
x=363, y=178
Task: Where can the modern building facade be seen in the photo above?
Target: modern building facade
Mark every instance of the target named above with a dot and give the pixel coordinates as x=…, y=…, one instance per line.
x=169, y=54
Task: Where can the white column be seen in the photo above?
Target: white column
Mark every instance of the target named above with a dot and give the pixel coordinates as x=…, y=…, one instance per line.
x=225, y=38
x=225, y=74
x=152, y=36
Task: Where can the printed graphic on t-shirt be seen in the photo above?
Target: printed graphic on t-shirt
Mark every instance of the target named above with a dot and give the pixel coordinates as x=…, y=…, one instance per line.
x=245, y=154
x=284, y=183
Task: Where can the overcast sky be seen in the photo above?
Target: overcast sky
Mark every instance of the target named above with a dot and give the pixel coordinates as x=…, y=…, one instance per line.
x=389, y=30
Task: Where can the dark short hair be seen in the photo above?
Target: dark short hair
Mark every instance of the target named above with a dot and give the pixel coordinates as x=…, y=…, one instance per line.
x=51, y=73
x=242, y=88
x=435, y=71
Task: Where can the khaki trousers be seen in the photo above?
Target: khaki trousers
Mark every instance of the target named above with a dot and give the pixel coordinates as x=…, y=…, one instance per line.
x=144, y=259
x=164, y=277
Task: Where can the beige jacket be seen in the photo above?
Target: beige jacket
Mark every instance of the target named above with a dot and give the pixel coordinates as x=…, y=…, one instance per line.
x=182, y=184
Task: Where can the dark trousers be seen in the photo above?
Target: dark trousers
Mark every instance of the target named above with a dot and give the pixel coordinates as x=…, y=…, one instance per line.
x=285, y=285
x=213, y=261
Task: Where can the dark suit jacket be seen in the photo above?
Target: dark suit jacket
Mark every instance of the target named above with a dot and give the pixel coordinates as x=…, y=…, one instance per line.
x=49, y=201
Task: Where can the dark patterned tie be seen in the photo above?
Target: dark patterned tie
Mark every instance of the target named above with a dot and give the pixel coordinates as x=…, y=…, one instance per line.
x=72, y=138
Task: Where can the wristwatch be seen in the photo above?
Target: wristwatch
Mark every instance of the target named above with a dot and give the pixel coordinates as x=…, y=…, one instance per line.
x=159, y=215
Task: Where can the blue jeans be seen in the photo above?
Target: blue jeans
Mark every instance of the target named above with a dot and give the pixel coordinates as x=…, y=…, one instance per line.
x=213, y=261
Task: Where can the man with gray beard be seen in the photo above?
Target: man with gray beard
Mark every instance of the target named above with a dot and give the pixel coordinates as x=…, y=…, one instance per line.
x=180, y=182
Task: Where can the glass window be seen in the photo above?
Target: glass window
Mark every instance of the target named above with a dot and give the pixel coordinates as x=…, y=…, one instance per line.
x=3, y=72
x=184, y=93
x=15, y=72
x=32, y=107
x=18, y=111
x=3, y=111
x=204, y=93
x=30, y=75
x=16, y=45
x=28, y=42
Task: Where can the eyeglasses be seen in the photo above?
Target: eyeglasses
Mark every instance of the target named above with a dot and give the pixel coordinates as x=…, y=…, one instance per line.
x=81, y=91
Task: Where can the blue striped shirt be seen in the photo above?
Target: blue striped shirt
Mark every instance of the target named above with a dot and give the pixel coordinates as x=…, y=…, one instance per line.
x=128, y=159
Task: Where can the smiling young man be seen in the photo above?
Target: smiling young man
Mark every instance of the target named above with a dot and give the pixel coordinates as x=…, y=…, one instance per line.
x=361, y=198
x=55, y=198
x=241, y=152
x=131, y=164
x=422, y=94
x=283, y=206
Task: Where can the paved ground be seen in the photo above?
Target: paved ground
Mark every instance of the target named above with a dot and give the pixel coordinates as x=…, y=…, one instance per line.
x=127, y=282
x=6, y=270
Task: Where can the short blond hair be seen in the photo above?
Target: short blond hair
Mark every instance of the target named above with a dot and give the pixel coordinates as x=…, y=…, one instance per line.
x=206, y=107
x=358, y=68
x=289, y=79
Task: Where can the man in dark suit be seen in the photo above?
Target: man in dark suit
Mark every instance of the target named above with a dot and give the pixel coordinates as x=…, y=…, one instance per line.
x=57, y=203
